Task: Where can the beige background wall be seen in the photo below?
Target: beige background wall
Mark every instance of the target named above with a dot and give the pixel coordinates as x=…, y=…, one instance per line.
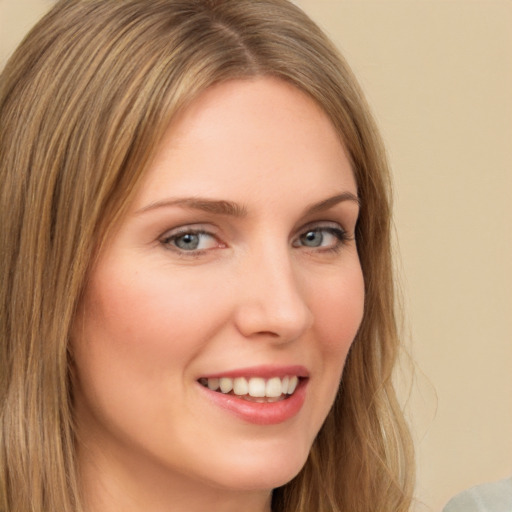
x=438, y=74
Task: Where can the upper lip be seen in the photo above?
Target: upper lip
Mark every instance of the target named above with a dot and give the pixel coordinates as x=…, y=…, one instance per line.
x=264, y=371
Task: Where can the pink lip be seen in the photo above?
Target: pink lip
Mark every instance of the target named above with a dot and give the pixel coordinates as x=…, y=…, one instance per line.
x=265, y=372
x=270, y=413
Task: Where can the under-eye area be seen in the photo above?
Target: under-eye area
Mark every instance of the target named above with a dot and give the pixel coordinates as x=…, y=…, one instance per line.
x=255, y=389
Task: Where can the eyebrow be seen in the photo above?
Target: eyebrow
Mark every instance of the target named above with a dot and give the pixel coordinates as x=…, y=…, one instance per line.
x=326, y=204
x=229, y=208
x=218, y=207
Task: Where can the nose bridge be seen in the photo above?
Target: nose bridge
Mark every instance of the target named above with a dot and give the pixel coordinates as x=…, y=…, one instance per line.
x=274, y=301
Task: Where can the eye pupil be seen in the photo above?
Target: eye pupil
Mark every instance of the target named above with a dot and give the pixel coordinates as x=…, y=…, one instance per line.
x=188, y=241
x=312, y=238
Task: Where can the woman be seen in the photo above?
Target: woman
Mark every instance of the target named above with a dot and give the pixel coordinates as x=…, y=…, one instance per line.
x=183, y=187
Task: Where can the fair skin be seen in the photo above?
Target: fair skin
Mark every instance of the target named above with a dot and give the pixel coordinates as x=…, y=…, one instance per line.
x=237, y=259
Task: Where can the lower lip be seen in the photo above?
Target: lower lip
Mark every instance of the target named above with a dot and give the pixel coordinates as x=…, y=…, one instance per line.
x=268, y=413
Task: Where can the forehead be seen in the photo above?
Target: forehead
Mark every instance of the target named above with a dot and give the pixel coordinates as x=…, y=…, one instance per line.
x=242, y=135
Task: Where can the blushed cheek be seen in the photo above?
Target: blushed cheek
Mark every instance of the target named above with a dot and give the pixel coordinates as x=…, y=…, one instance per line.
x=160, y=319
x=340, y=312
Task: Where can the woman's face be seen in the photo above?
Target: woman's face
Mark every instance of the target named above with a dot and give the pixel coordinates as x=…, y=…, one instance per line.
x=236, y=265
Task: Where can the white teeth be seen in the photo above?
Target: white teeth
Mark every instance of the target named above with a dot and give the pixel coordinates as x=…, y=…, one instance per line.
x=292, y=384
x=256, y=387
x=274, y=387
x=226, y=384
x=240, y=386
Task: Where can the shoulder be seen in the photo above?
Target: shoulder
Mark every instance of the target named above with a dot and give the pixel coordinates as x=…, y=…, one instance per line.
x=491, y=497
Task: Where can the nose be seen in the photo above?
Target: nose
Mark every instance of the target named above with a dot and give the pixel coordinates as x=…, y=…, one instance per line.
x=271, y=301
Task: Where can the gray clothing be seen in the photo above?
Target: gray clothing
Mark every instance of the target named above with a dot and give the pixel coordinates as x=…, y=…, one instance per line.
x=492, y=497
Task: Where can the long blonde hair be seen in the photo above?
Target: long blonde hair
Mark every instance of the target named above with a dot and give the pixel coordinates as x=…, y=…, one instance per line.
x=83, y=103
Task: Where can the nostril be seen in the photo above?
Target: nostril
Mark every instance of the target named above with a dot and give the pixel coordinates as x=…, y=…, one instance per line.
x=270, y=334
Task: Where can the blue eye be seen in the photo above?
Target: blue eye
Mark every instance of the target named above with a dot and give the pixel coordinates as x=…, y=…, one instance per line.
x=188, y=241
x=191, y=240
x=322, y=237
x=312, y=238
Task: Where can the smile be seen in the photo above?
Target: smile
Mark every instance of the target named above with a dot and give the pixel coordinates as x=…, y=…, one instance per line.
x=254, y=389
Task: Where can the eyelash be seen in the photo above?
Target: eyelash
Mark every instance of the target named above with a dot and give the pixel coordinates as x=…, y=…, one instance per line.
x=342, y=237
x=169, y=241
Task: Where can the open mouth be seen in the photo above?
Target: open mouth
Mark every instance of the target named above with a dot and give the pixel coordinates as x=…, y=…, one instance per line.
x=254, y=389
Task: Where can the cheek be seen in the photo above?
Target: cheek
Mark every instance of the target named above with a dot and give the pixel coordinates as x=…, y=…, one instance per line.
x=337, y=303
x=338, y=309
x=157, y=319
x=135, y=337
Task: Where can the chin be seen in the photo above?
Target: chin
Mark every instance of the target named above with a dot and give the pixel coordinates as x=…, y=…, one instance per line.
x=264, y=471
